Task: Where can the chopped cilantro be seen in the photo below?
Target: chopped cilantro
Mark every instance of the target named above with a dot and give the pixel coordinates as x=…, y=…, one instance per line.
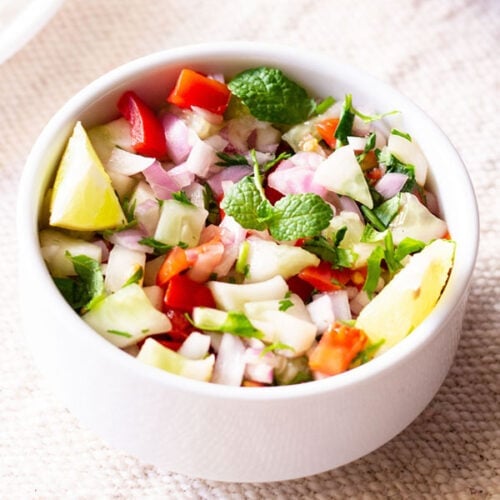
x=346, y=120
x=120, y=333
x=406, y=247
x=395, y=131
x=231, y=160
x=285, y=304
x=373, y=270
x=324, y=105
x=330, y=251
x=271, y=96
x=159, y=247
x=136, y=277
x=394, y=165
x=211, y=205
x=128, y=207
x=182, y=197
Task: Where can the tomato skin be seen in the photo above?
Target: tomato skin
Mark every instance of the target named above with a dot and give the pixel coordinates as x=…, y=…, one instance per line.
x=324, y=277
x=175, y=262
x=337, y=348
x=326, y=129
x=147, y=132
x=184, y=294
x=300, y=287
x=195, y=89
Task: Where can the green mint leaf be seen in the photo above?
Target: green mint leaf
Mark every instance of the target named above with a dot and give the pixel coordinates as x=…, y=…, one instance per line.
x=244, y=203
x=159, y=247
x=395, y=131
x=299, y=216
x=373, y=270
x=181, y=197
x=231, y=160
x=73, y=292
x=346, y=120
x=271, y=96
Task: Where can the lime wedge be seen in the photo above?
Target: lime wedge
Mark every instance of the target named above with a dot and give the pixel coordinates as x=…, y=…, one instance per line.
x=83, y=197
x=409, y=297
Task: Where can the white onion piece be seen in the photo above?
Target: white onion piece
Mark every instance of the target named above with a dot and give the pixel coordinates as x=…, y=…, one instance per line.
x=349, y=205
x=196, y=346
x=176, y=137
x=230, y=363
x=123, y=263
x=196, y=194
x=359, y=302
x=259, y=367
x=161, y=182
x=391, y=184
x=233, y=174
x=125, y=163
x=181, y=175
x=104, y=250
x=147, y=215
x=232, y=236
x=201, y=159
x=210, y=117
x=340, y=305
x=129, y=238
x=357, y=143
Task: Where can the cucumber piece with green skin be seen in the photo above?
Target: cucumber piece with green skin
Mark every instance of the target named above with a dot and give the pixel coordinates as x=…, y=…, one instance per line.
x=126, y=317
x=54, y=247
x=232, y=297
x=180, y=222
x=154, y=354
x=266, y=259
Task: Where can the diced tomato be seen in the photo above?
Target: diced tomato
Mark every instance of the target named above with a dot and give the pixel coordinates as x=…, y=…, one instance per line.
x=374, y=174
x=324, y=277
x=300, y=287
x=326, y=129
x=195, y=89
x=369, y=162
x=147, y=132
x=183, y=293
x=272, y=194
x=336, y=349
x=175, y=262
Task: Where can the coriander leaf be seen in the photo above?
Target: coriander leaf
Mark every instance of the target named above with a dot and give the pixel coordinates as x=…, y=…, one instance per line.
x=408, y=246
x=370, y=216
x=366, y=354
x=244, y=203
x=271, y=163
x=89, y=287
x=120, y=333
x=231, y=160
x=373, y=270
x=395, y=131
x=181, y=197
x=375, y=117
x=394, y=165
x=211, y=205
x=271, y=96
x=346, y=120
x=159, y=247
x=73, y=292
x=325, y=104
x=330, y=252
x=136, y=277
x=393, y=264
x=370, y=144
x=275, y=346
x=238, y=324
x=387, y=210
x=299, y=216
x=128, y=207
x=285, y=304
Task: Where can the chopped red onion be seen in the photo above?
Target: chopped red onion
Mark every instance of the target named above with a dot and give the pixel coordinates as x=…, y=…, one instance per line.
x=147, y=214
x=210, y=117
x=232, y=235
x=177, y=137
x=390, y=184
x=161, y=182
x=125, y=163
x=129, y=238
x=347, y=204
x=230, y=363
x=181, y=175
x=201, y=159
x=233, y=174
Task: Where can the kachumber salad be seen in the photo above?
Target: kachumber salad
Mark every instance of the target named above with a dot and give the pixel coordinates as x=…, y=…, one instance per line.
x=245, y=233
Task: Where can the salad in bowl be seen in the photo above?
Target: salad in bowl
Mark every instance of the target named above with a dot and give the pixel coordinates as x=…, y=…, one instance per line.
x=246, y=232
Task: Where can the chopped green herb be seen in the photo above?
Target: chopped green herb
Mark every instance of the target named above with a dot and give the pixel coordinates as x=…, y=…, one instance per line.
x=393, y=265
x=271, y=96
x=120, y=333
x=371, y=217
x=285, y=304
x=241, y=262
x=406, y=247
x=231, y=160
x=386, y=212
x=371, y=235
x=271, y=163
x=324, y=105
x=375, y=117
x=392, y=164
x=275, y=346
x=370, y=144
x=373, y=270
x=159, y=247
x=128, y=207
x=330, y=251
x=395, y=131
x=211, y=205
x=346, y=120
x=366, y=354
x=136, y=277
x=182, y=197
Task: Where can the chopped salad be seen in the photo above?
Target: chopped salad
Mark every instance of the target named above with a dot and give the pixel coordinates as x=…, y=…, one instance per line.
x=235, y=233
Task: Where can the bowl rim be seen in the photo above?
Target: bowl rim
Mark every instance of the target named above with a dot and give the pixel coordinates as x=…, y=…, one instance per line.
x=27, y=217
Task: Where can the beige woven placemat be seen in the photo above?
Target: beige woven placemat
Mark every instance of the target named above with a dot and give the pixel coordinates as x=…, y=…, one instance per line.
x=441, y=53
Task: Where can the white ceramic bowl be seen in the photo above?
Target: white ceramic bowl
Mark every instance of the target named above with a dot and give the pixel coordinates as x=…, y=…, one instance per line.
x=228, y=433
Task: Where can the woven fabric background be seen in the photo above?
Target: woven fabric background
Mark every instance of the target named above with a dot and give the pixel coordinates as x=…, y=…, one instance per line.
x=444, y=55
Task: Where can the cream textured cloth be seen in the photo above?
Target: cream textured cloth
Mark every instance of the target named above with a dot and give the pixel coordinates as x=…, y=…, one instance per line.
x=441, y=53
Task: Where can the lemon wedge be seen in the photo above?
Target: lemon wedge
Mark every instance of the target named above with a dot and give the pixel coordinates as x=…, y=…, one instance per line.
x=409, y=297
x=83, y=197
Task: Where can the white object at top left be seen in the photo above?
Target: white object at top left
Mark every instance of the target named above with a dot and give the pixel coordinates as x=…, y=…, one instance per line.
x=20, y=20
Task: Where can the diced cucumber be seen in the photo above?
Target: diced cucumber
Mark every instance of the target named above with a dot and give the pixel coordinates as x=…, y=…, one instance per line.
x=105, y=137
x=154, y=354
x=232, y=297
x=341, y=173
x=267, y=259
x=180, y=222
x=409, y=152
x=207, y=318
x=123, y=264
x=54, y=246
x=126, y=317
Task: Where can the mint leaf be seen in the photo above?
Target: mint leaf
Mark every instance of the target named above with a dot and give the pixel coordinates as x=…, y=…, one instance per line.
x=271, y=96
x=299, y=216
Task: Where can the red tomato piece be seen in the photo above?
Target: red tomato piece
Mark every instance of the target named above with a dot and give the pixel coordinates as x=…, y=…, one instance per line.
x=147, y=131
x=326, y=129
x=183, y=293
x=195, y=89
x=337, y=348
x=175, y=262
x=324, y=277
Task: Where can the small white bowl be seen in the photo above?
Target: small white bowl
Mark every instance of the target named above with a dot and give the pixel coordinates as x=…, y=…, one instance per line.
x=232, y=433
